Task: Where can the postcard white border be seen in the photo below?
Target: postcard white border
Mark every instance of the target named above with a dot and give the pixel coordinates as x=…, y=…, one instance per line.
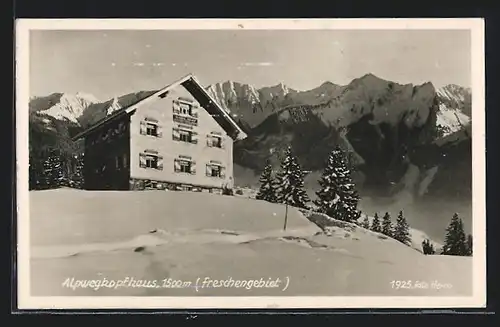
x=26, y=301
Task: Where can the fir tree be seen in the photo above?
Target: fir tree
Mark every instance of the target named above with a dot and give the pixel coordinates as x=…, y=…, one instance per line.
x=366, y=223
x=337, y=197
x=455, y=241
x=54, y=170
x=428, y=247
x=469, y=245
x=358, y=217
x=290, y=182
x=76, y=179
x=376, y=224
x=37, y=179
x=387, y=225
x=266, y=190
x=402, y=230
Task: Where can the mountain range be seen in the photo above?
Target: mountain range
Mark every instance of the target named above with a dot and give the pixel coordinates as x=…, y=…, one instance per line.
x=408, y=143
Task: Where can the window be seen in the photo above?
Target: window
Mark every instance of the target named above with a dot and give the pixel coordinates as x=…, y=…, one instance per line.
x=151, y=161
x=214, y=141
x=184, y=135
x=184, y=165
x=185, y=107
x=215, y=169
x=150, y=127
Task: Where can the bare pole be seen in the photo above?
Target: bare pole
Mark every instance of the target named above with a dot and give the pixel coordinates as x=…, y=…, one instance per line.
x=286, y=215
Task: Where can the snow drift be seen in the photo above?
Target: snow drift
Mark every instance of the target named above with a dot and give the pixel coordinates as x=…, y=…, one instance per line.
x=80, y=235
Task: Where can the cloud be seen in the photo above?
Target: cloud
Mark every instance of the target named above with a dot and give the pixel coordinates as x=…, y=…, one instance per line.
x=113, y=64
x=142, y=64
x=259, y=64
x=148, y=45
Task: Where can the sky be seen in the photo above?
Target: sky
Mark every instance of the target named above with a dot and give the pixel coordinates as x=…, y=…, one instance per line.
x=108, y=63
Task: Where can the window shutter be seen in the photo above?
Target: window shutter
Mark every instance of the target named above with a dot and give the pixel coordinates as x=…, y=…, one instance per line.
x=222, y=172
x=143, y=128
x=159, y=131
x=209, y=141
x=160, y=163
x=193, y=167
x=222, y=143
x=142, y=161
x=177, y=166
x=208, y=171
x=176, y=135
x=194, y=138
x=194, y=111
x=175, y=107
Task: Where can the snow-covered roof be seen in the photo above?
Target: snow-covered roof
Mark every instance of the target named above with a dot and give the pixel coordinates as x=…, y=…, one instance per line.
x=193, y=86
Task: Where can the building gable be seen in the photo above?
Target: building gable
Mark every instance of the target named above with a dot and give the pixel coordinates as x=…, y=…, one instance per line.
x=192, y=85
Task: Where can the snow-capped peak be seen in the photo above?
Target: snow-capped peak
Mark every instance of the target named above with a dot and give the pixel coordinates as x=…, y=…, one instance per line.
x=284, y=88
x=88, y=97
x=453, y=92
x=114, y=106
x=71, y=106
x=452, y=114
x=233, y=92
x=451, y=120
x=215, y=90
x=231, y=89
x=250, y=93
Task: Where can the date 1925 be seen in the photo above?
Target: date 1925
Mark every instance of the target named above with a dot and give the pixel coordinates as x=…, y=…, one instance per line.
x=408, y=284
x=404, y=284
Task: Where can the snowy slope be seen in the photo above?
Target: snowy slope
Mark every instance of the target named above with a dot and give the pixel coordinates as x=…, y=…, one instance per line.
x=457, y=97
x=76, y=233
x=451, y=120
x=417, y=236
x=454, y=109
